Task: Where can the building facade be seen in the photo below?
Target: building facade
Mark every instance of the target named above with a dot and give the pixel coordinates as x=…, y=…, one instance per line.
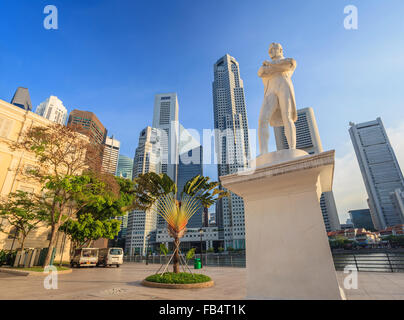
x=141, y=228
x=22, y=99
x=13, y=122
x=380, y=171
x=125, y=167
x=88, y=124
x=362, y=219
x=110, y=155
x=53, y=110
x=308, y=139
x=397, y=197
x=165, y=118
x=231, y=144
x=190, y=164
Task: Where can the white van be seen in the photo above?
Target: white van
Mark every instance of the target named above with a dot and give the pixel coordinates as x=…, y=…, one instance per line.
x=110, y=256
x=85, y=257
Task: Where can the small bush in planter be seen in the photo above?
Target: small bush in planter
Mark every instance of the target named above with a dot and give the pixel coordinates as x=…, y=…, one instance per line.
x=178, y=278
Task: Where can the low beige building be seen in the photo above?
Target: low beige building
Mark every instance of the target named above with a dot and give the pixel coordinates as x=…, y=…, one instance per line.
x=13, y=121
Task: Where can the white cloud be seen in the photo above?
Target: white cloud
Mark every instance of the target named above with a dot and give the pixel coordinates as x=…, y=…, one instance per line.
x=349, y=188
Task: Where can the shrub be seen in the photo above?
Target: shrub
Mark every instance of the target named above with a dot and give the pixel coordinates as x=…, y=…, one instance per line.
x=7, y=257
x=178, y=278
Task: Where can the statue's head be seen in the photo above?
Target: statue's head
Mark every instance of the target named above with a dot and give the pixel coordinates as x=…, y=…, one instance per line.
x=275, y=51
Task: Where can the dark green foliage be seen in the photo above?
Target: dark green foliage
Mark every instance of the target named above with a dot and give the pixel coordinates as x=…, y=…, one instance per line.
x=178, y=278
x=24, y=212
x=151, y=186
x=395, y=241
x=206, y=192
x=7, y=257
x=340, y=243
x=104, y=200
x=86, y=229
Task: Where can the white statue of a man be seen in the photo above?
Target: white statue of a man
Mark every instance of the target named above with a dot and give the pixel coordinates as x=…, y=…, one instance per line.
x=279, y=106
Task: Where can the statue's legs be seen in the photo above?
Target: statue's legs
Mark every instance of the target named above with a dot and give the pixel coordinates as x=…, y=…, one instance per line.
x=285, y=103
x=263, y=136
x=263, y=128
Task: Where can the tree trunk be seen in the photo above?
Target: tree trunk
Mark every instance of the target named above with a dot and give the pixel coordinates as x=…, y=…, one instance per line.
x=22, y=243
x=176, y=259
x=50, y=247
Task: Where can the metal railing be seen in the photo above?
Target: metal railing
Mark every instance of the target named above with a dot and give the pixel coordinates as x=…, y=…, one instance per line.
x=367, y=261
x=370, y=262
x=214, y=260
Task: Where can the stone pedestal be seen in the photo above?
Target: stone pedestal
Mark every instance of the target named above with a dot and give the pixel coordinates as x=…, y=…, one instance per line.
x=288, y=256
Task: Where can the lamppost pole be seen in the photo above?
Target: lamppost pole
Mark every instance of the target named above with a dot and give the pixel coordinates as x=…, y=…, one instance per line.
x=201, y=233
x=147, y=253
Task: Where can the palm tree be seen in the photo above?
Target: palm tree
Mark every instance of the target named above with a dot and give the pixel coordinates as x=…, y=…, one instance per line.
x=158, y=192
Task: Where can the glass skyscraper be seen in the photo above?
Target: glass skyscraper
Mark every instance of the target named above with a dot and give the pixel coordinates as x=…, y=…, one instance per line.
x=189, y=165
x=125, y=167
x=308, y=139
x=232, y=145
x=380, y=170
x=362, y=219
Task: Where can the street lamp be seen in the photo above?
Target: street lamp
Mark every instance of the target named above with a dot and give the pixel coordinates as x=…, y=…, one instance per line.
x=147, y=253
x=201, y=234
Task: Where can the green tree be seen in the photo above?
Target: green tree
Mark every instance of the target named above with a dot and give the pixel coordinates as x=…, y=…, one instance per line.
x=62, y=155
x=22, y=212
x=98, y=208
x=396, y=240
x=87, y=229
x=340, y=242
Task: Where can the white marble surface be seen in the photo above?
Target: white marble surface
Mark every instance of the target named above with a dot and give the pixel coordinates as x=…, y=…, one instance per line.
x=288, y=255
x=279, y=106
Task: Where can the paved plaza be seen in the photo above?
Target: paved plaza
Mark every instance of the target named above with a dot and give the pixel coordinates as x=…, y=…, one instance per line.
x=124, y=283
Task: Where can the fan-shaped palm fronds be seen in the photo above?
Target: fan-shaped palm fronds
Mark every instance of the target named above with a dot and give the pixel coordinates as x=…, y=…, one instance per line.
x=151, y=186
x=177, y=214
x=158, y=192
x=203, y=190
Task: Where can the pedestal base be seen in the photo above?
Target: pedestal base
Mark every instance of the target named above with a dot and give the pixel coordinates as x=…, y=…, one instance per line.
x=280, y=156
x=288, y=255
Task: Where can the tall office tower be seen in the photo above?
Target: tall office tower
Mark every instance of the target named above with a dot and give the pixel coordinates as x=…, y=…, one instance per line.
x=397, y=198
x=142, y=224
x=165, y=118
x=121, y=237
x=362, y=219
x=380, y=170
x=232, y=145
x=125, y=167
x=308, y=139
x=110, y=155
x=22, y=99
x=88, y=124
x=189, y=166
x=53, y=110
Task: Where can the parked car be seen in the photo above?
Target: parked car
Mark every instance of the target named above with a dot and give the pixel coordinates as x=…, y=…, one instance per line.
x=85, y=257
x=110, y=256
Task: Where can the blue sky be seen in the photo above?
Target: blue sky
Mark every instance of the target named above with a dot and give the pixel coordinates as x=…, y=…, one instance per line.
x=111, y=57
